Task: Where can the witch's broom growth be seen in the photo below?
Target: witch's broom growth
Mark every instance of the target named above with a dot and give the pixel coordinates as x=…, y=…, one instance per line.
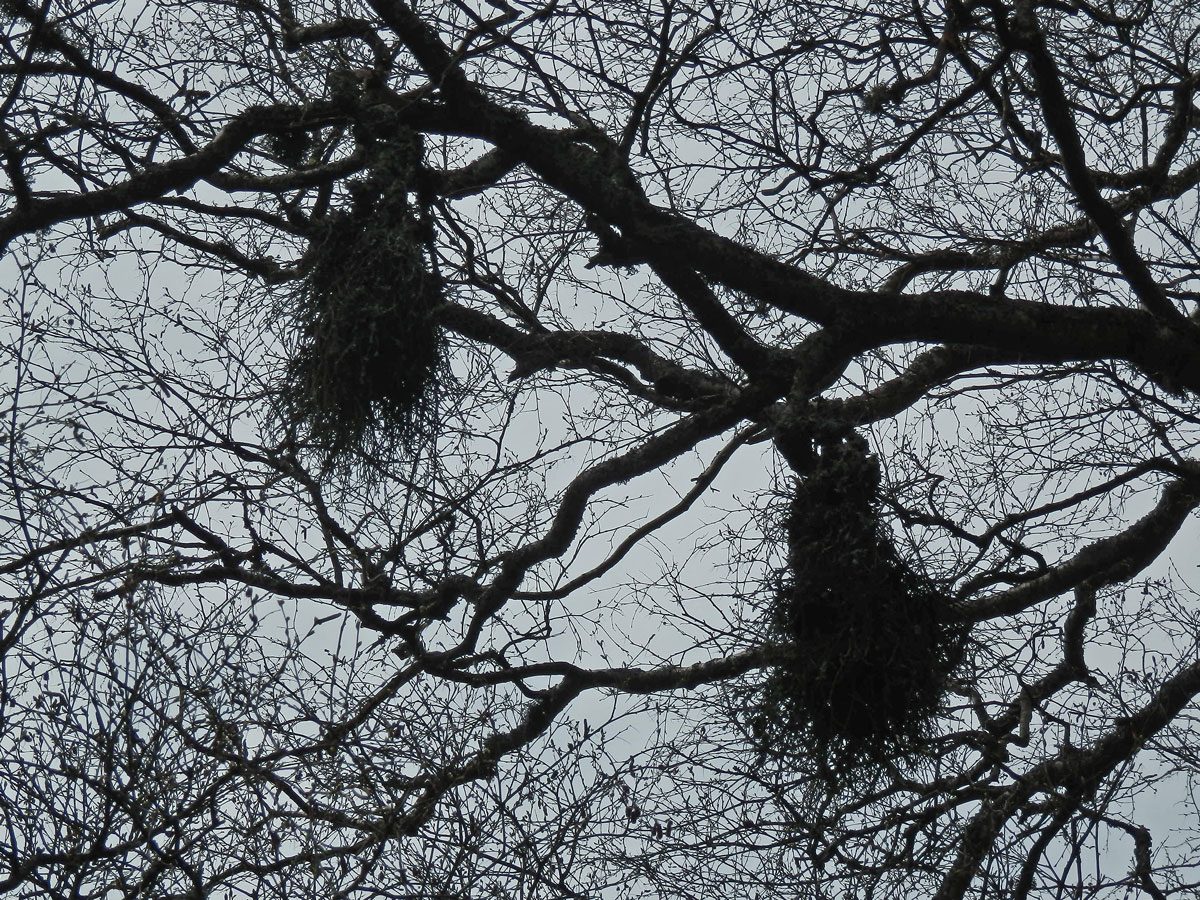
x=369, y=353
x=874, y=642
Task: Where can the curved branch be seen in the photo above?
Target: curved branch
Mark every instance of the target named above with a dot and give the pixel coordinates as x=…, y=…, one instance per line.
x=175, y=175
x=1107, y=561
x=700, y=485
x=1025, y=34
x=1078, y=772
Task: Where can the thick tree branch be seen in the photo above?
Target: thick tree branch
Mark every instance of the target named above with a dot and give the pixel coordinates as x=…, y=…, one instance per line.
x=1076, y=772
x=1108, y=561
x=176, y=175
x=1026, y=34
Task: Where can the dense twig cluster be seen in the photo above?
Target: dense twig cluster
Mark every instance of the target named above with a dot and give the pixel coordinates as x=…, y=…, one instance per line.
x=369, y=355
x=874, y=641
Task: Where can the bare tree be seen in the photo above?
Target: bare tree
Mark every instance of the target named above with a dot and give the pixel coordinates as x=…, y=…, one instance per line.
x=686, y=449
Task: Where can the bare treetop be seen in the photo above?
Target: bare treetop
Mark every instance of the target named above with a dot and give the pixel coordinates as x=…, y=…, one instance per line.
x=599, y=450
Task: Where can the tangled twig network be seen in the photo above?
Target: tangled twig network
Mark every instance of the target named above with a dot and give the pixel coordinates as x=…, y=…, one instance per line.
x=875, y=643
x=369, y=358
